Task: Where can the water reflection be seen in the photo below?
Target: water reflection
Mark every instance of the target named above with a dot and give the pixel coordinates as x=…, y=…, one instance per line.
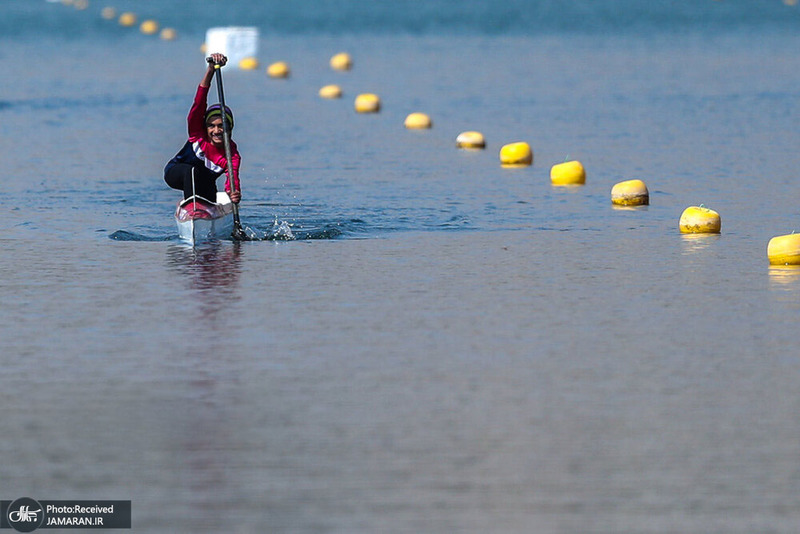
x=617, y=207
x=212, y=270
x=784, y=276
x=693, y=243
x=208, y=398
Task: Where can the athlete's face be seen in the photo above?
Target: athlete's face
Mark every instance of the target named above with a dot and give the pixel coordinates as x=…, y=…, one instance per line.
x=214, y=127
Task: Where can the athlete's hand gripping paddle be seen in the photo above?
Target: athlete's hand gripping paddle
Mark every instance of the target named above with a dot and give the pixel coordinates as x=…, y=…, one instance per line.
x=238, y=232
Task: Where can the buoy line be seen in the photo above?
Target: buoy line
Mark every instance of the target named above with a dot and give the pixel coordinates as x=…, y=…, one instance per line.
x=781, y=250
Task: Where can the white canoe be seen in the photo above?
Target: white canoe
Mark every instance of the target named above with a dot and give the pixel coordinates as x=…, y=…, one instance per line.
x=199, y=220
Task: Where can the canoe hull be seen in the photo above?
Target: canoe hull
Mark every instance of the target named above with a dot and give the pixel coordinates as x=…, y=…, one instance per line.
x=200, y=220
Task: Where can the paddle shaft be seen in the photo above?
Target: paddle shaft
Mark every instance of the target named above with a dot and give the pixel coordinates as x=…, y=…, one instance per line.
x=226, y=136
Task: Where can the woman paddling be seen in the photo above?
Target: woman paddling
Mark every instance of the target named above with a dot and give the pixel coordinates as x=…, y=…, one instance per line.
x=195, y=169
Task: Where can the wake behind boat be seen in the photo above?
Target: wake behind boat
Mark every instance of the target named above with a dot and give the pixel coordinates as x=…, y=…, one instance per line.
x=199, y=220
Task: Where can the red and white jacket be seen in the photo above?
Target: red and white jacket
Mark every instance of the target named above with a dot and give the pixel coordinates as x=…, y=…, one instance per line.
x=199, y=151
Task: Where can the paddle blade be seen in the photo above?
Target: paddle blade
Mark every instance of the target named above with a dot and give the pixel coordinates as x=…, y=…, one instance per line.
x=239, y=234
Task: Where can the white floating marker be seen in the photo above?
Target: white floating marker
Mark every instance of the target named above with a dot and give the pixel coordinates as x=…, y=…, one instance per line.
x=235, y=42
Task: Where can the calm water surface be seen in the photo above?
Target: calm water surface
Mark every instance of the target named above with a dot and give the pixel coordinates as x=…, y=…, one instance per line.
x=445, y=345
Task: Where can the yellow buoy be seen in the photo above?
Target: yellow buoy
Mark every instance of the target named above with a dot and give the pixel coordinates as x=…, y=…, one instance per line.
x=568, y=173
x=149, y=27
x=248, y=63
x=630, y=193
x=341, y=61
x=108, y=13
x=418, y=121
x=279, y=69
x=81, y=4
x=368, y=103
x=784, y=250
x=470, y=140
x=127, y=19
x=330, y=91
x=516, y=154
x=699, y=220
x=168, y=34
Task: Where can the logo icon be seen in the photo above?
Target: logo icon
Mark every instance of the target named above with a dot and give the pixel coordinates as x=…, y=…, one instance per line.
x=25, y=515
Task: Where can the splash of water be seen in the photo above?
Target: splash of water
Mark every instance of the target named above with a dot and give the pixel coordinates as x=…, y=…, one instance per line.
x=250, y=234
x=281, y=230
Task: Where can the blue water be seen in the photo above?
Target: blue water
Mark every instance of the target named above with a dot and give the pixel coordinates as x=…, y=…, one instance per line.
x=419, y=340
x=474, y=17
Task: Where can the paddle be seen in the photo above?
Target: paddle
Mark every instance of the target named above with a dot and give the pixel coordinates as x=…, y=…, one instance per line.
x=238, y=232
